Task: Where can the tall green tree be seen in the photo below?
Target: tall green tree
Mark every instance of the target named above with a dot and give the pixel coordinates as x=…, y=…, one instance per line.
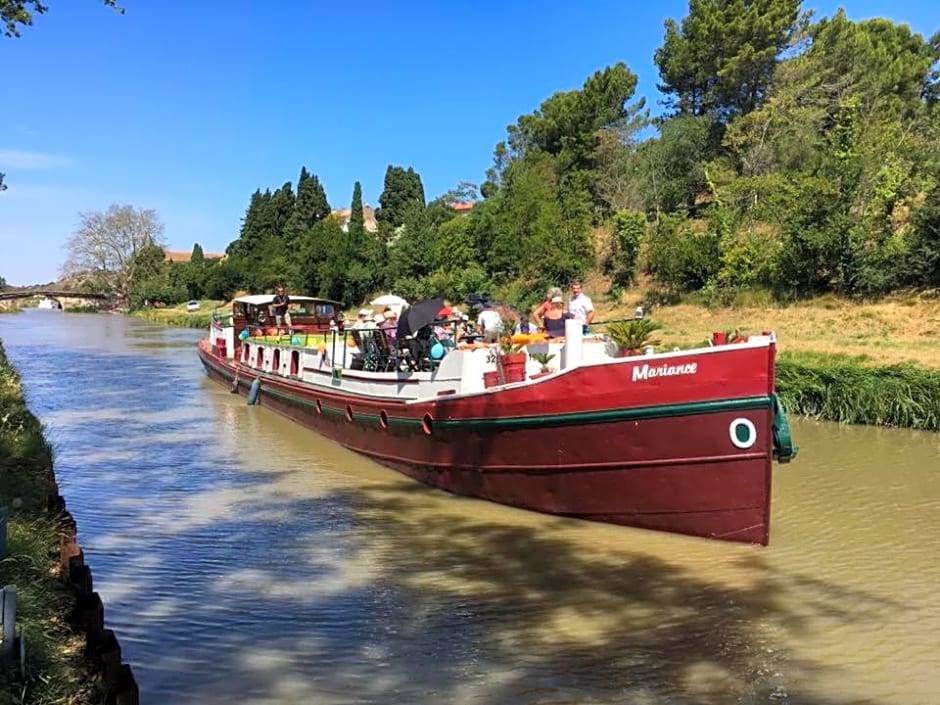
x=721, y=57
x=361, y=252
x=310, y=206
x=566, y=125
x=401, y=191
x=672, y=165
x=544, y=225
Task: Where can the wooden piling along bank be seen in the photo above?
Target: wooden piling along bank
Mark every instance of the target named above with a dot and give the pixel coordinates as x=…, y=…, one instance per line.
x=101, y=645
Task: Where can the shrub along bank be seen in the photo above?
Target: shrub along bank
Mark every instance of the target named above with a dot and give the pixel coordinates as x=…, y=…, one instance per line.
x=851, y=390
x=56, y=670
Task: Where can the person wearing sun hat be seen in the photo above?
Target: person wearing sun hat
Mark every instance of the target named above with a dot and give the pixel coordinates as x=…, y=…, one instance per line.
x=361, y=318
x=553, y=320
x=390, y=322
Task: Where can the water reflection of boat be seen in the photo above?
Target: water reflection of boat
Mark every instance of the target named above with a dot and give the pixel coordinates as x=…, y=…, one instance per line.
x=47, y=303
x=680, y=441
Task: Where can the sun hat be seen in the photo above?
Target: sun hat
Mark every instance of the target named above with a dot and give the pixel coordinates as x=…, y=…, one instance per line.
x=365, y=312
x=557, y=300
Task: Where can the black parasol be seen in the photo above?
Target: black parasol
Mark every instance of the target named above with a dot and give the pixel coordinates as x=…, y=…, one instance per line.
x=418, y=315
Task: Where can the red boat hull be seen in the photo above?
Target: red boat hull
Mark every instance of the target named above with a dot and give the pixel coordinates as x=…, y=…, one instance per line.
x=612, y=443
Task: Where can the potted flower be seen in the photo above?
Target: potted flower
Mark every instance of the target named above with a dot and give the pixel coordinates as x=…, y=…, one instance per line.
x=632, y=336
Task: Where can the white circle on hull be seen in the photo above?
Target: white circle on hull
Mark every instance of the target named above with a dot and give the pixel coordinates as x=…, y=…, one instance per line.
x=743, y=434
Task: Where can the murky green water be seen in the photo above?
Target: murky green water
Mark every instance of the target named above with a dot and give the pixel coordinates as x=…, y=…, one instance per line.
x=242, y=559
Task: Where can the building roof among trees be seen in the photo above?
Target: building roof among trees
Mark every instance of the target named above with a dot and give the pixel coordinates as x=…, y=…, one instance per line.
x=368, y=216
x=184, y=255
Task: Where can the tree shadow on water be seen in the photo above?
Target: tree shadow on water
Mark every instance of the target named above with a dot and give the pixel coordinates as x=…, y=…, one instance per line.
x=405, y=597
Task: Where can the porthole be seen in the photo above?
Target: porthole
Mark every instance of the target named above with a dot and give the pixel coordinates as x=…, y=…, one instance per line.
x=349, y=413
x=383, y=419
x=427, y=425
x=319, y=407
x=742, y=433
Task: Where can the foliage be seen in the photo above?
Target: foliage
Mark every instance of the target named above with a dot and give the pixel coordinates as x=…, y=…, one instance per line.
x=106, y=244
x=683, y=255
x=634, y=334
x=847, y=391
x=543, y=358
x=621, y=262
x=734, y=79
x=310, y=207
x=20, y=12
x=673, y=165
x=402, y=191
x=923, y=256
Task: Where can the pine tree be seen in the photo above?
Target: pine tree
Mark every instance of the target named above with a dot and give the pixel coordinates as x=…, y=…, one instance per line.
x=310, y=207
x=402, y=190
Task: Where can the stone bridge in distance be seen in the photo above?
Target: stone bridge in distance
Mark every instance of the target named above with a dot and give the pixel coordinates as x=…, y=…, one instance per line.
x=67, y=298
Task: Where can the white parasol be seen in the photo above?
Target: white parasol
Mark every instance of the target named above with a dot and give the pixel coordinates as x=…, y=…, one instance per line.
x=390, y=300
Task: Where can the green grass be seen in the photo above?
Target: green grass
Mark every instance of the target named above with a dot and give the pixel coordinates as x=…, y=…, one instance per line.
x=848, y=389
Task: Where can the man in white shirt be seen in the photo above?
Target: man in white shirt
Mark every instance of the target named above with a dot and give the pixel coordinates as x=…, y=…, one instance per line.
x=580, y=305
x=488, y=324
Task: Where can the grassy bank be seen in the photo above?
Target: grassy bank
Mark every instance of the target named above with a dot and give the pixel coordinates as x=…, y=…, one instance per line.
x=178, y=315
x=902, y=329
x=56, y=671
x=851, y=390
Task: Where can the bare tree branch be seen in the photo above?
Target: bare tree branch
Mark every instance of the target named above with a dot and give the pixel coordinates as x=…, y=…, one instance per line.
x=104, y=244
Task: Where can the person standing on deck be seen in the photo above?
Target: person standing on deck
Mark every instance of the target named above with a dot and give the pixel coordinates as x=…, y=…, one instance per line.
x=580, y=305
x=279, y=308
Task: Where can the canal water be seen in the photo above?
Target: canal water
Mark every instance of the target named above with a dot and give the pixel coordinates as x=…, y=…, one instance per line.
x=242, y=559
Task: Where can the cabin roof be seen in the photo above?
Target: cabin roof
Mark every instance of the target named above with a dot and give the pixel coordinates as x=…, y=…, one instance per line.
x=261, y=299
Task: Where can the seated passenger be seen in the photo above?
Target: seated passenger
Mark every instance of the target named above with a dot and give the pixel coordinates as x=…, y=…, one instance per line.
x=553, y=320
x=389, y=323
x=445, y=334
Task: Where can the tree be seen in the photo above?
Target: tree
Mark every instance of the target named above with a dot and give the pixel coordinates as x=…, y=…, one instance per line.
x=3, y=283
x=402, y=190
x=105, y=244
x=3, y=186
x=567, y=124
x=357, y=219
x=673, y=163
x=20, y=12
x=721, y=58
x=310, y=207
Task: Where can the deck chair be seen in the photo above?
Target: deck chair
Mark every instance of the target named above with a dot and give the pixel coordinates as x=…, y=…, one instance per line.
x=386, y=354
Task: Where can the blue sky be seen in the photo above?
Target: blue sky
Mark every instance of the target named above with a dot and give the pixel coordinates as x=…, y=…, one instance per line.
x=187, y=107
